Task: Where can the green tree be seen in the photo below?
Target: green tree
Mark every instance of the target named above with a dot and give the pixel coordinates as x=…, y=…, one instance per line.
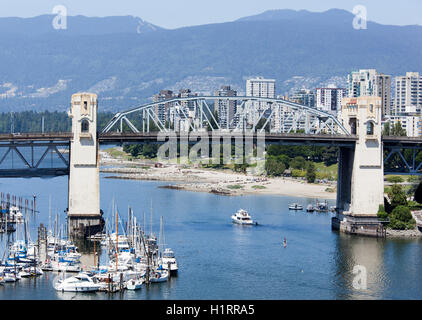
x=397, y=196
x=298, y=163
x=273, y=167
x=382, y=214
x=398, y=130
x=149, y=150
x=387, y=129
x=310, y=172
x=401, y=218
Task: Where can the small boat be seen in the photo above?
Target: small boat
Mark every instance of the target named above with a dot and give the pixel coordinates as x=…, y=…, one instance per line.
x=322, y=206
x=295, y=206
x=79, y=283
x=242, y=217
x=11, y=277
x=159, y=276
x=134, y=284
x=310, y=208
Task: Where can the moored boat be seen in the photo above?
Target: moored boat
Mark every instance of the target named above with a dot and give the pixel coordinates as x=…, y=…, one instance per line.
x=79, y=283
x=295, y=206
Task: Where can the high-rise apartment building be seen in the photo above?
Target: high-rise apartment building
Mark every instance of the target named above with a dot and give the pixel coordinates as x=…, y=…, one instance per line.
x=383, y=90
x=263, y=88
x=367, y=82
x=329, y=99
x=408, y=94
x=162, y=109
x=305, y=97
x=226, y=108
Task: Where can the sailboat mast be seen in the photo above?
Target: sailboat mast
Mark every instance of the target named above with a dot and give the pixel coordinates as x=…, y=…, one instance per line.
x=150, y=224
x=117, y=237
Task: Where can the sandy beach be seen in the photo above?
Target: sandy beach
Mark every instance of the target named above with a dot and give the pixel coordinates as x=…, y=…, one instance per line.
x=224, y=182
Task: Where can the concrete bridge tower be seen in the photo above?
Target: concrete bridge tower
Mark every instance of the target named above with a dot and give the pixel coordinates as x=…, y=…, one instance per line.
x=84, y=215
x=360, y=181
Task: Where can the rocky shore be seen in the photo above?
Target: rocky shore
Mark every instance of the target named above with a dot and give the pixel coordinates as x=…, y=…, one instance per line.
x=413, y=233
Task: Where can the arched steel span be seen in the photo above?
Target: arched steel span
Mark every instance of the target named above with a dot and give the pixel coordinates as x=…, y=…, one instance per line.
x=194, y=113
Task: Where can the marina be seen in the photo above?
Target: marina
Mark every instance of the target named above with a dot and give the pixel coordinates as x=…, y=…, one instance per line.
x=315, y=263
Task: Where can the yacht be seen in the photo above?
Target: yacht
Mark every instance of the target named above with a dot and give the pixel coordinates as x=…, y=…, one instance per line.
x=242, y=217
x=168, y=258
x=295, y=206
x=79, y=283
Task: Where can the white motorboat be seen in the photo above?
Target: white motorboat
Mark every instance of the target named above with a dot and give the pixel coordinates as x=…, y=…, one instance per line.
x=79, y=283
x=295, y=206
x=11, y=277
x=242, y=217
x=168, y=258
x=134, y=284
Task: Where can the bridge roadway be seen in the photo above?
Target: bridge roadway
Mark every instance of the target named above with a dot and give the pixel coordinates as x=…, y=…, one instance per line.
x=23, y=139
x=114, y=137
x=30, y=163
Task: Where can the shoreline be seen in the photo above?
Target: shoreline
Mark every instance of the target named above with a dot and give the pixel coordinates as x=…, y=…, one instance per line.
x=404, y=234
x=223, y=182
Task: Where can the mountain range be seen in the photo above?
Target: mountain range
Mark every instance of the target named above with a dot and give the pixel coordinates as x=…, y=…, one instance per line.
x=126, y=59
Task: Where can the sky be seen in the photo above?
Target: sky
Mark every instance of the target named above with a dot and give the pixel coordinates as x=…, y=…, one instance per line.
x=173, y=14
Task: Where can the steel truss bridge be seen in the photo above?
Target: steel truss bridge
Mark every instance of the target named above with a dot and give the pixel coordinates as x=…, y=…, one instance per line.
x=252, y=114
x=48, y=154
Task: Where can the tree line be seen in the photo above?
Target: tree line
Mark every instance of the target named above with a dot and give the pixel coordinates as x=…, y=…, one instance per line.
x=32, y=121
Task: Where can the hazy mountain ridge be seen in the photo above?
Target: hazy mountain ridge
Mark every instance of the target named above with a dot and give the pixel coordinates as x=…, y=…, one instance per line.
x=42, y=69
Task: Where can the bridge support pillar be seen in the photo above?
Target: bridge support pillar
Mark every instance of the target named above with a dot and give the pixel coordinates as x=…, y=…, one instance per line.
x=360, y=181
x=84, y=214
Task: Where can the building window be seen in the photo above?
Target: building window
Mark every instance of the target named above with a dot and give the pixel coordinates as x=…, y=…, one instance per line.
x=370, y=128
x=84, y=125
x=352, y=123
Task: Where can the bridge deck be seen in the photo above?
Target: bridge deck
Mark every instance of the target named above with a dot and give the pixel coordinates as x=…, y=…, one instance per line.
x=115, y=137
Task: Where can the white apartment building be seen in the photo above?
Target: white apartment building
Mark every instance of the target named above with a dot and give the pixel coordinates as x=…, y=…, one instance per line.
x=329, y=99
x=408, y=94
x=259, y=87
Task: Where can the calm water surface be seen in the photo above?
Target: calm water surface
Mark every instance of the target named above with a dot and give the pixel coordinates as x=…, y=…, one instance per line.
x=219, y=260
